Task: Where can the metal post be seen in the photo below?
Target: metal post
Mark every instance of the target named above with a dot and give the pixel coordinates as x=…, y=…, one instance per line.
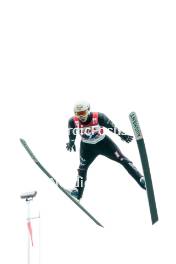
x=28, y=198
x=28, y=241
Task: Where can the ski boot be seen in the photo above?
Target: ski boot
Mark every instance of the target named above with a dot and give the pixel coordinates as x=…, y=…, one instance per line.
x=142, y=183
x=74, y=193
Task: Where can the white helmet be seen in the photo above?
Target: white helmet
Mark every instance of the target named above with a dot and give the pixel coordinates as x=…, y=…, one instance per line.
x=81, y=106
x=81, y=109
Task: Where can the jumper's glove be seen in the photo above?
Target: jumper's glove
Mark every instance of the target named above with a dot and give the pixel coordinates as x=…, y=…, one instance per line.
x=70, y=146
x=125, y=137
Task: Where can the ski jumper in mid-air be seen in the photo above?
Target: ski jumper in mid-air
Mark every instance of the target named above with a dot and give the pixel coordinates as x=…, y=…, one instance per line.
x=94, y=142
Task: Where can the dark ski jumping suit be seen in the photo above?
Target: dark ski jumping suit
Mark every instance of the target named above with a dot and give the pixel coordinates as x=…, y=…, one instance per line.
x=94, y=142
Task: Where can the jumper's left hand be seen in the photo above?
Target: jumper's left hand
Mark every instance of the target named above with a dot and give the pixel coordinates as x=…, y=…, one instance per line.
x=125, y=137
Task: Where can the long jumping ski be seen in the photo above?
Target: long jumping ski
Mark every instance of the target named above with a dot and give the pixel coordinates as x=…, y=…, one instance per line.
x=145, y=166
x=23, y=142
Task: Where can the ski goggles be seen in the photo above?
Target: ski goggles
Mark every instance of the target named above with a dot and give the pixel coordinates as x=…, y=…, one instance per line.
x=81, y=113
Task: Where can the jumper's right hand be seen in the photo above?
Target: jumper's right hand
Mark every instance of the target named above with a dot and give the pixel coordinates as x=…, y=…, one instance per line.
x=70, y=146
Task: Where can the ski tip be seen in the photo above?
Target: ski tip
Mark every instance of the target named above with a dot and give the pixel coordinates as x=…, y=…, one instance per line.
x=22, y=140
x=132, y=113
x=135, y=125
